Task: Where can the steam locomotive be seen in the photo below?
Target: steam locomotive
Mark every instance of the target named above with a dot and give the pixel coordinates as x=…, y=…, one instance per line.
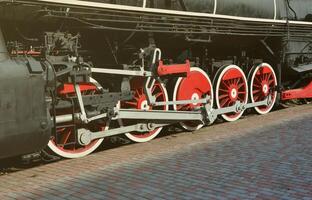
x=74, y=72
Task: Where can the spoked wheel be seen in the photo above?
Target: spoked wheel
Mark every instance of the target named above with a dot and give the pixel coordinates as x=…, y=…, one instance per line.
x=263, y=81
x=140, y=102
x=196, y=86
x=231, y=86
x=64, y=141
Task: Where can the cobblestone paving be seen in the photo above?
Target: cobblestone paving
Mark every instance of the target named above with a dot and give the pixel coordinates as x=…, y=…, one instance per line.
x=260, y=157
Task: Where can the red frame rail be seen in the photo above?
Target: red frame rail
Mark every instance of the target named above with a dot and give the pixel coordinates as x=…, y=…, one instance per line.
x=301, y=93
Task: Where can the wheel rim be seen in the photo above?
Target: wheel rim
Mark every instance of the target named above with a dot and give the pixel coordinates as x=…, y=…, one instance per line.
x=262, y=81
x=231, y=86
x=65, y=143
x=140, y=102
x=196, y=86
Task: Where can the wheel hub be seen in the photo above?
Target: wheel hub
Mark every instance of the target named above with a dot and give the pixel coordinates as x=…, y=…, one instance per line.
x=195, y=96
x=233, y=93
x=144, y=105
x=265, y=89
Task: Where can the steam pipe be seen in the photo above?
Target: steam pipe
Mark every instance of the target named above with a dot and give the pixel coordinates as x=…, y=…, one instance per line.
x=4, y=55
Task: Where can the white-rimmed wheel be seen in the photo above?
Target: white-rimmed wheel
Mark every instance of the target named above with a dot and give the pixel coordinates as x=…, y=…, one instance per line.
x=64, y=141
x=140, y=102
x=196, y=86
x=230, y=86
x=263, y=82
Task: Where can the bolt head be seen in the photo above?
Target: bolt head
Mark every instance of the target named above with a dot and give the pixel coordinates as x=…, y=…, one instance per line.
x=44, y=124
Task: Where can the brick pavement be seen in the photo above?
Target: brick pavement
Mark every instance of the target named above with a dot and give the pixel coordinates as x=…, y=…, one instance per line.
x=260, y=157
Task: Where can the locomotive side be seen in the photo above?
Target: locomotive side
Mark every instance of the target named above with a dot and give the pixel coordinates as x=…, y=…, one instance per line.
x=128, y=68
x=24, y=122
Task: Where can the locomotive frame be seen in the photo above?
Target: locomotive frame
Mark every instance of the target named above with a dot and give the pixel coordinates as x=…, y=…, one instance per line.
x=79, y=111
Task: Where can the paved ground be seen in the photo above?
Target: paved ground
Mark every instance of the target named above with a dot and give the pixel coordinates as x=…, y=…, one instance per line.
x=260, y=157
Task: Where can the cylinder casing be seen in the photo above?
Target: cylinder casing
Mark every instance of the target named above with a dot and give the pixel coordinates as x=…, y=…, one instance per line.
x=24, y=121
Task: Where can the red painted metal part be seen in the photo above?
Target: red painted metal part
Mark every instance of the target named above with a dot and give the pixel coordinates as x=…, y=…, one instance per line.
x=68, y=88
x=164, y=70
x=140, y=102
x=301, y=93
x=232, y=74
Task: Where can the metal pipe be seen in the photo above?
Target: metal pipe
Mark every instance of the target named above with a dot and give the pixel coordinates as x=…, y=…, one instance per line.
x=4, y=55
x=144, y=4
x=66, y=118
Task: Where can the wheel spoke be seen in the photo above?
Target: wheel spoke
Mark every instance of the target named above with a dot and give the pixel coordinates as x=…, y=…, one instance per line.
x=153, y=88
x=258, y=85
x=136, y=98
x=270, y=76
x=158, y=95
x=65, y=136
x=180, y=107
x=236, y=81
x=241, y=85
x=271, y=81
x=257, y=98
x=223, y=96
x=131, y=103
x=137, y=93
x=258, y=79
x=224, y=102
x=226, y=84
x=223, y=90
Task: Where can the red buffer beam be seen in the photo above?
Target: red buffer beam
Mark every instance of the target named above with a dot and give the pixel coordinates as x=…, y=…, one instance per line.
x=301, y=93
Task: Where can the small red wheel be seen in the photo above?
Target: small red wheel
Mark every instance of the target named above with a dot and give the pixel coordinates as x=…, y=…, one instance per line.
x=64, y=143
x=196, y=86
x=140, y=102
x=231, y=86
x=262, y=81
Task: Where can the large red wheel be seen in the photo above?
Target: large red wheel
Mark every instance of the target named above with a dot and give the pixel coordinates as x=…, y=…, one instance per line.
x=231, y=86
x=263, y=82
x=196, y=86
x=140, y=102
x=64, y=142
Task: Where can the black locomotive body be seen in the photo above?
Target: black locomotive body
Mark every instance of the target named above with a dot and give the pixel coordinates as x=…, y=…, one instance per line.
x=266, y=9
x=25, y=124
x=74, y=72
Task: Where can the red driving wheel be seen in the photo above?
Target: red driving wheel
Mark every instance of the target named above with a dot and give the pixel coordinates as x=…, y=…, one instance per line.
x=64, y=141
x=196, y=86
x=231, y=86
x=263, y=82
x=140, y=102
